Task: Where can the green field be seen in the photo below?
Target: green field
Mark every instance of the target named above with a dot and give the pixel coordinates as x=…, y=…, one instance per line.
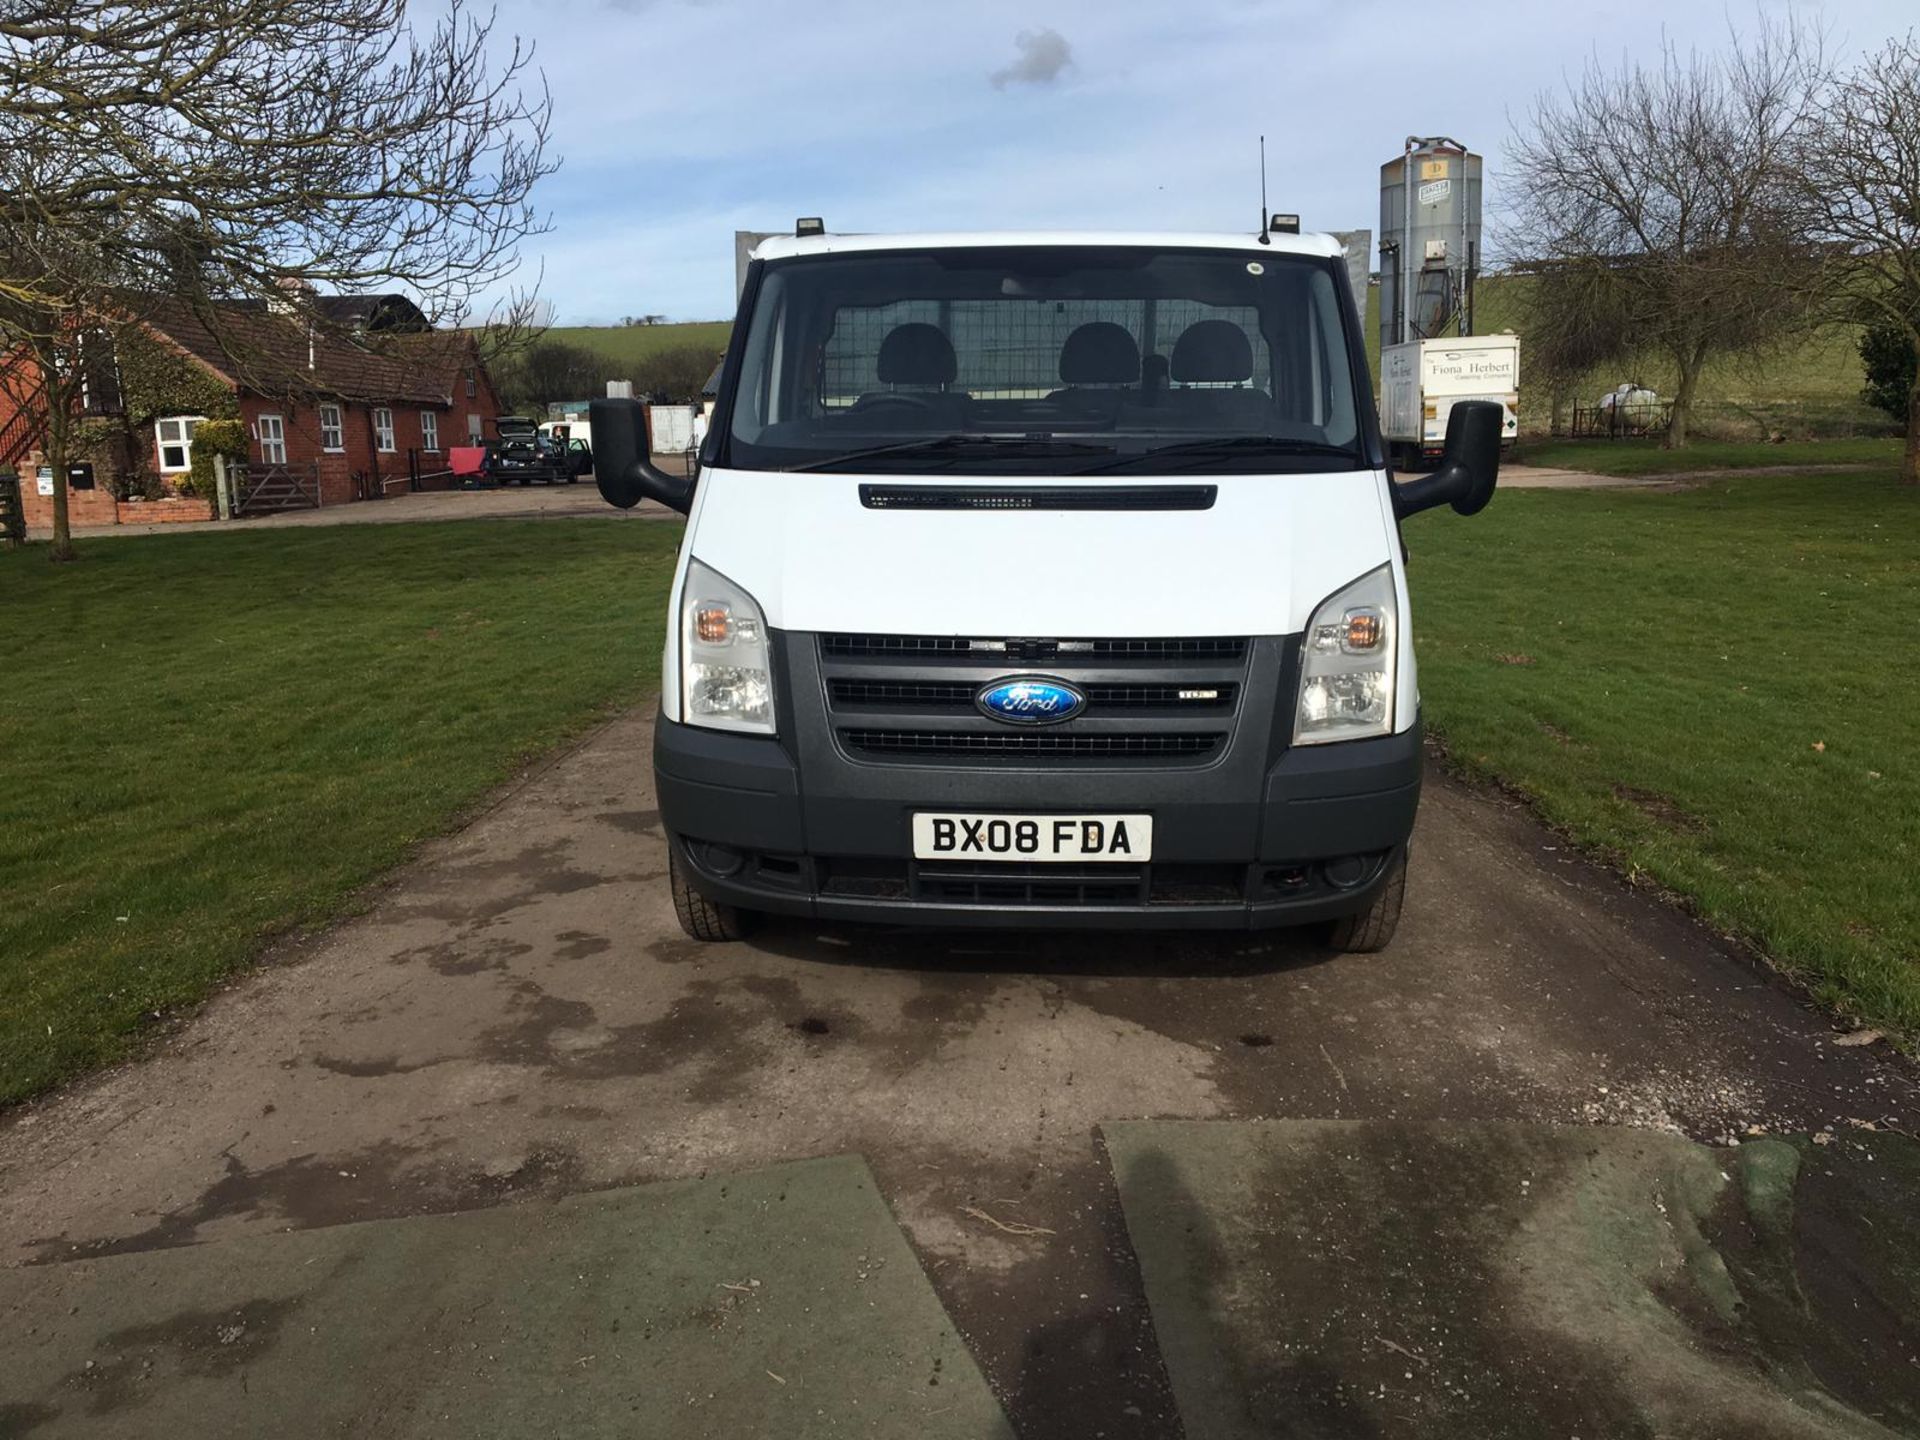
x=207, y=740
x=1809, y=389
x=1717, y=688
x=626, y=344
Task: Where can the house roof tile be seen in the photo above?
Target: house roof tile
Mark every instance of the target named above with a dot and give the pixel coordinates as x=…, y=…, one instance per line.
x=270, y=353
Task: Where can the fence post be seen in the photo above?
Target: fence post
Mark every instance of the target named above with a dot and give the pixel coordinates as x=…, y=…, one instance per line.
x=222, y=487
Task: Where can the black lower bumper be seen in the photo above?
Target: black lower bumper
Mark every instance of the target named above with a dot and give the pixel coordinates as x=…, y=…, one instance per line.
x=1313, y=841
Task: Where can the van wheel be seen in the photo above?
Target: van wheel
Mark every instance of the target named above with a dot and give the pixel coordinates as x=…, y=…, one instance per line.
x=1370, y=930
x=701, y=918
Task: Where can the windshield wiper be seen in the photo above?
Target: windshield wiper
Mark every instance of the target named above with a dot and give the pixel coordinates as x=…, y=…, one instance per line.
x=1215, y=446
x=951, y=445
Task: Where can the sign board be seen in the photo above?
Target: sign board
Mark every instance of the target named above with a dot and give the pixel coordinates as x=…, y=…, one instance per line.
x=1434, y=191
x=80, y=475
x=1433, y=169
x=43, y=479
x=1488, y=369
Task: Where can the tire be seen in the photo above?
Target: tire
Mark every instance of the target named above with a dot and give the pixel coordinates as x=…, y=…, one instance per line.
x=701, y=918
x=1369, y=931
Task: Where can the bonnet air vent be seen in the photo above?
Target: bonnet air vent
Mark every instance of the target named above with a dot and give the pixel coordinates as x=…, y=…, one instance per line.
x=1038, y=497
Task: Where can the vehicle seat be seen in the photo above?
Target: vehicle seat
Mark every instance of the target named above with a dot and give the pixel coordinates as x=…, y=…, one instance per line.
x=1217, y=353
x=1098, y=359
x=916, y=360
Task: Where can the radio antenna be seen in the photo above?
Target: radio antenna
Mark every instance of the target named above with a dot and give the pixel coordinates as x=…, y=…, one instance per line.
x=1262, y=235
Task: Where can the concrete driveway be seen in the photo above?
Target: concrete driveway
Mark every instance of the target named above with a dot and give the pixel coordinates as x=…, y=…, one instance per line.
x=516, y=1018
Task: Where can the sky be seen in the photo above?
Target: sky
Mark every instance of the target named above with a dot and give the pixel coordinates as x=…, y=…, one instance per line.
x=681, y=121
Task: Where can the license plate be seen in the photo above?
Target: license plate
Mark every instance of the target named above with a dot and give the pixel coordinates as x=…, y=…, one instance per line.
x=1033, y=837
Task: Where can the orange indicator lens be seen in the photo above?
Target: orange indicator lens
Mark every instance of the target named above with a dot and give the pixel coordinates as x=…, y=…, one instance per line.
x=1365, y=629
x=713, y=623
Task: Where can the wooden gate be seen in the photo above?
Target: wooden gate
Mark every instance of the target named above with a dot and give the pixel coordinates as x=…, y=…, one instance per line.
x=13, y=516
x=270, y=489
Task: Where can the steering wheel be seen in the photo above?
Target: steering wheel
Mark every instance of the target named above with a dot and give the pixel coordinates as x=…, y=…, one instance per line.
x=892, y=397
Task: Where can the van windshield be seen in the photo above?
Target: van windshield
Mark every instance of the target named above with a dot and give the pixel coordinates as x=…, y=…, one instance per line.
x=1047, y=359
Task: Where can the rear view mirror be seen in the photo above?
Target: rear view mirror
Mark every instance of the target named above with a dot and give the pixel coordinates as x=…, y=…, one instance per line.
x=623, y=459
x=1469, y=465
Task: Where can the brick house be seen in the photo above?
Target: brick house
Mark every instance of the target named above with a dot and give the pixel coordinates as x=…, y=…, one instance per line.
x=340, y=406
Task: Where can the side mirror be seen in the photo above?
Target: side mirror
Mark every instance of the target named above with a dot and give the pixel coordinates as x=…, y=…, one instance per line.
x=623, y=459
x=1469, y=465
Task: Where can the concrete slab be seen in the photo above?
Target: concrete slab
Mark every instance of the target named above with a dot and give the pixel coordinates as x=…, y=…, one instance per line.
x=1333, y=1278
x=783, y=1302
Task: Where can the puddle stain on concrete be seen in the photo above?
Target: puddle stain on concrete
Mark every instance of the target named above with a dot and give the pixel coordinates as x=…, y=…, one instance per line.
x=462, y=954
x=136, y=1362
x=634, y=822
x=301, y=1192
x=370, y=1069
x=579, y=944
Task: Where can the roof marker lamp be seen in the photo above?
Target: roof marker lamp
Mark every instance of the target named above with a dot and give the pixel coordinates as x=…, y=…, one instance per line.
x=726, y=680
x=1349, y=663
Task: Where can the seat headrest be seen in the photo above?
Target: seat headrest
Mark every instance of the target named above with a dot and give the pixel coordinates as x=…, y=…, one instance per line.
x=917, y=354
x=1100, y=353
x=1212, y=351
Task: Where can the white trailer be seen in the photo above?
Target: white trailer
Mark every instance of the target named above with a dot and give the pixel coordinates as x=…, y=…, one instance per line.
x=1422, y=380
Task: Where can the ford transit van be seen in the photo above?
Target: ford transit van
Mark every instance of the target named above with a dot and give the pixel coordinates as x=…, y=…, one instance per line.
x=1042, y=580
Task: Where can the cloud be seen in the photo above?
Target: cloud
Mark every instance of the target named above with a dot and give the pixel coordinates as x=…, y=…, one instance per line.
x=1043, y=55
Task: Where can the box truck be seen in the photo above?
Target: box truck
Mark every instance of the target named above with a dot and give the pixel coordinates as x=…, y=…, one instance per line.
x=1042, y=580
x=1422, y=380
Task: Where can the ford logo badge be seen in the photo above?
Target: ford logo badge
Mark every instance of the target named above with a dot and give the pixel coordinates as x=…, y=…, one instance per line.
x=1030, y=700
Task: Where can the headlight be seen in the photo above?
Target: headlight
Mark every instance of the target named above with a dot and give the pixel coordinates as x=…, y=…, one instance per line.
x=726, y=682
x=1349, y=662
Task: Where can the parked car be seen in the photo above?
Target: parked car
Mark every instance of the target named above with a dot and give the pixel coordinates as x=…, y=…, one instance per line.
x=523, y=455
x=1081, y=604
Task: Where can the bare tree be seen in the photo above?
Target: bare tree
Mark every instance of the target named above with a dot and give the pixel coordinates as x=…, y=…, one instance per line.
x=675, y=373
x=1859, y=170
x=1574, y=324
x=222, y=150
x=1662, y=197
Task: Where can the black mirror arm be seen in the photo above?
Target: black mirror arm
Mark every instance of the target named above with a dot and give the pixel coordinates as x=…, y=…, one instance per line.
x=1469, y=465
x=1410, y=497
x=623, y=459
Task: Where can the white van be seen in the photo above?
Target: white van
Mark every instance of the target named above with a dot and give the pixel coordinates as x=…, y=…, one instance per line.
x=1042, y=580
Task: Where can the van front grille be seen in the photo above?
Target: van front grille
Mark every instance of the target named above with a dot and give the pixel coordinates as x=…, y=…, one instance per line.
x=1150, y=701
x=1018, y=651
x=1060, y=743
x=849, y=692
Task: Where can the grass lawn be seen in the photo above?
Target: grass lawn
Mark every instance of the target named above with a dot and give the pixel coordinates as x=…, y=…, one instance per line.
x=1646, y=457
x=209, y=739
x=1718, y=687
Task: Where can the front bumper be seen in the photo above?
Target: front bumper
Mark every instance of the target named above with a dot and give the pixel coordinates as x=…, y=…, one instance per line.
x=1312, y=838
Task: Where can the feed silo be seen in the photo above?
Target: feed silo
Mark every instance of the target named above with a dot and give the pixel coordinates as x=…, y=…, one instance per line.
x=1429, y=240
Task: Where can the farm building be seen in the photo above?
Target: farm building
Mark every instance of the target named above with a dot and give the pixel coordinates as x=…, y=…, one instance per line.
x=330, y=413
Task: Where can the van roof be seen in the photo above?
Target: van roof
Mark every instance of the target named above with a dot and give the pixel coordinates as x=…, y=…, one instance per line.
x=781, y=247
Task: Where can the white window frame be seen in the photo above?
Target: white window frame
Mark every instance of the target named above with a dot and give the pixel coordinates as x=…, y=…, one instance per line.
x=473, y=382
x=273, y=437
x=184, y=443
x=333, y=432
x=430, y=432
x=383, y=430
